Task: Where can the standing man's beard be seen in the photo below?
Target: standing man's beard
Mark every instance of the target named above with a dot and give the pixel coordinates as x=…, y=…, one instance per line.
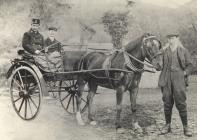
x=173, y=46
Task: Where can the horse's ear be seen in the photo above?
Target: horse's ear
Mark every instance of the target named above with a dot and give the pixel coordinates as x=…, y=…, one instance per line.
x=146, y=35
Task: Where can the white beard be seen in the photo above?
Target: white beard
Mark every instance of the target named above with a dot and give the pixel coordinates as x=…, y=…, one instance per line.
x=52, y=38
x=173, y=47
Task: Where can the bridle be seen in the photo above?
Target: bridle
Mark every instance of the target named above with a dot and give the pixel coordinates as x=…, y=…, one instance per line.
x=144, y=50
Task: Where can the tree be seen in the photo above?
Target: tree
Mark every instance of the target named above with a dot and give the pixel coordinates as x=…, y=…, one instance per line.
x=116, y=25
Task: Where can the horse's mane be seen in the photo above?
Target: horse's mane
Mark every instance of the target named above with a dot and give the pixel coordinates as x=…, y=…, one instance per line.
x=134, y=43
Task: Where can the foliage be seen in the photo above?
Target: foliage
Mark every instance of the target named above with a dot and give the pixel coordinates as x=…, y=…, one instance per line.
x=116, y=25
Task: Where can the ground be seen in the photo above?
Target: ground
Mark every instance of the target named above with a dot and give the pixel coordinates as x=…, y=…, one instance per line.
x=53, y=123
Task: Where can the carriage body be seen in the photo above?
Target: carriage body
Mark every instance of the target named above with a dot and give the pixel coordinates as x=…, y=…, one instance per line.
x=29, y=83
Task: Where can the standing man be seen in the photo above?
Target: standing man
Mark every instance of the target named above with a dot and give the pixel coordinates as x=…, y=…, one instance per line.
x=177, y=66
x=33, y=41
x=53, y=49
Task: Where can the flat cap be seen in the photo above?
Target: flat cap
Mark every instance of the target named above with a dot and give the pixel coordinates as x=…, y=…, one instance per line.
x=172, y=33
x=52, y=28
x=35, y=21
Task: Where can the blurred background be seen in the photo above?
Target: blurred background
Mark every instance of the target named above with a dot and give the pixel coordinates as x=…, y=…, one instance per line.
x=80, y=22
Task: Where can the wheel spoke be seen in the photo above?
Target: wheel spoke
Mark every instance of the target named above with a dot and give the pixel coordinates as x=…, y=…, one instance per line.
x=33, y=102
x=21, y=79
x=17, y=84
x=25, y=113
x=69, y=102
x=17, y=99
x=73, y=103
x=29, y=106
x=25, y=80
x=21, y=105
x=35, y=95
x=84, y=100
x=65, y=97
x=14, y=90
x=27, y=86
x=33, y=90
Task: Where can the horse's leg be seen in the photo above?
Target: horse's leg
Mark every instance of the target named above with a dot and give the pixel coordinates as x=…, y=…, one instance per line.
x=91, y=93
x=81, y=85
x=133, y=97
x=119, y=95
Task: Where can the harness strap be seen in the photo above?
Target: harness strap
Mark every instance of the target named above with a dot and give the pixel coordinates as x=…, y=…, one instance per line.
x=108, y=66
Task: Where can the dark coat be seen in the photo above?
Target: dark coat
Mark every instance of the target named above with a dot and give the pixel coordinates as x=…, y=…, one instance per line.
x=56, y=47
x=184, y=61
x=32, y=41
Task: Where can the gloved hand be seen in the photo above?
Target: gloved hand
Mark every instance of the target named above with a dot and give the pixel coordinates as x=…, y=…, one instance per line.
x=37, y=52
x=46, y=49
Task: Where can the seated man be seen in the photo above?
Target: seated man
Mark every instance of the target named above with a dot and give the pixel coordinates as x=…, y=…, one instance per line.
x=33, y=41
x=53, y=49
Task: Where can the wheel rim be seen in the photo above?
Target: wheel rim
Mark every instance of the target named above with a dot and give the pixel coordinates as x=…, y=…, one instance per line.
x=25, y=93
x=68, y=95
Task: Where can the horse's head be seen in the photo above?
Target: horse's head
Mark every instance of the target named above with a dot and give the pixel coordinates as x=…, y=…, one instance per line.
x=152, y=50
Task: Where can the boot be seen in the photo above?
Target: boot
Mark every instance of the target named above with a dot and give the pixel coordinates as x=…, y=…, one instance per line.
x=166, y=129
x=187, y=131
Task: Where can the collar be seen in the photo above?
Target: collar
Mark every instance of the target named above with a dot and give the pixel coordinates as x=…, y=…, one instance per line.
x=51, y=39
x=32, y=31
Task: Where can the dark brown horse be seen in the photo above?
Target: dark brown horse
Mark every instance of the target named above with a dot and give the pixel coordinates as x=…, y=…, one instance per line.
x=147, y=46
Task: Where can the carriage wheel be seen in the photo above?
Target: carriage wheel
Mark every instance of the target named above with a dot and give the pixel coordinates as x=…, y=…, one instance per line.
x=26, y=93
x=68, y=96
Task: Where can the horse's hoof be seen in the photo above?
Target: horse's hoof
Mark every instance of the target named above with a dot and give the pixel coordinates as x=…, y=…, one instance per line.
x=80, y=122
x=120, y=130
x=79, y=119
x=93, y=123
x=137, y=128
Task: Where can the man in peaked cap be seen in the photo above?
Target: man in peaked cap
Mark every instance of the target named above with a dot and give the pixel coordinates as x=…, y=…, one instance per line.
x=33, y=41
x=53, y=49
x=177, y=66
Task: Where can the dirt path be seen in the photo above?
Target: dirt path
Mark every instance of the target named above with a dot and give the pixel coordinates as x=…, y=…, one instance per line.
x=53, y=123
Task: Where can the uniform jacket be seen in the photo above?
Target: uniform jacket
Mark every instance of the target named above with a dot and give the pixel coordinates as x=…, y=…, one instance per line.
x=56, y=47
x=184, y=61
x=32, y=41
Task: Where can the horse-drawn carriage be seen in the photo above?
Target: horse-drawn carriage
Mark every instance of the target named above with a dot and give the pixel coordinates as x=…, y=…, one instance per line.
x=29, y=82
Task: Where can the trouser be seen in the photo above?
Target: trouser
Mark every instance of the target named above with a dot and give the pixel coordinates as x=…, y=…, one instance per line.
x=175, y=92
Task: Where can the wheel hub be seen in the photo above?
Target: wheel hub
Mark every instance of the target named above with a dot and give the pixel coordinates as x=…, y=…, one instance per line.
x=23, y=93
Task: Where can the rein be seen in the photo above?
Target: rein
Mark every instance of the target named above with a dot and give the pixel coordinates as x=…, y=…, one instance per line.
x=148, y=64
x=141, y=62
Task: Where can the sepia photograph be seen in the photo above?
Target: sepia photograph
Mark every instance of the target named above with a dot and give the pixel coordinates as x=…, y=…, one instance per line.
x=98, y=69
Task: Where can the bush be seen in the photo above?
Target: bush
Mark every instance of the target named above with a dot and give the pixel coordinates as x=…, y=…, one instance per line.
x=116, y=25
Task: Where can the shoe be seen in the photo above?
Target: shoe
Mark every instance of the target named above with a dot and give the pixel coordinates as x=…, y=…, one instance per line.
x=166, y=129
x=187, y=131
